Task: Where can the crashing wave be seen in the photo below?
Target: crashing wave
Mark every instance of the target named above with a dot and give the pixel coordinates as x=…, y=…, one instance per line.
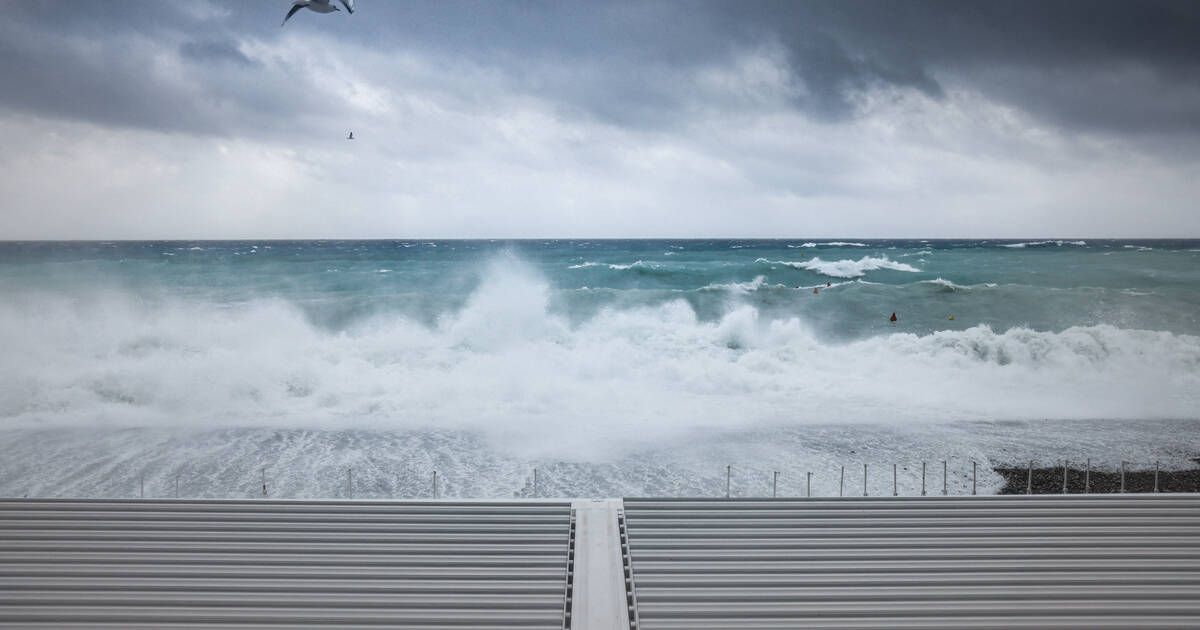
x=844, y=268
x=1058, y=243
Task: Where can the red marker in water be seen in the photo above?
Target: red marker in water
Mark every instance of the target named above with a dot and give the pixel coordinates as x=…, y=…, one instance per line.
x=814, y=291
x=893, y=317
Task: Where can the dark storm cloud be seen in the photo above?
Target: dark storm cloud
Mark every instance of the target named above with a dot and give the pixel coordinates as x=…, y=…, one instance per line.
x=1120, y=67
x=1108, y=65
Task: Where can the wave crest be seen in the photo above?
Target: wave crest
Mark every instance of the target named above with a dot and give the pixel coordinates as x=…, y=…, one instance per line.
x=506, y=365
x=845, y=268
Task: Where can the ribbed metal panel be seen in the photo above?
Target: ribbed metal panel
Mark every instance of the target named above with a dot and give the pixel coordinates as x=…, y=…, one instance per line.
x=283, y=564
x=1116, y=561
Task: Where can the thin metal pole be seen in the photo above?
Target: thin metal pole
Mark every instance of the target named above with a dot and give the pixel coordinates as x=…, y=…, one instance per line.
x=1029, y=479
x=864, y=479
x=264, y=481
x=1064, y=476
x=922, y=478
x=1087, y=477
x=809, y=491
x=1122, y=476
x=350, y=482
x=176, y=486
x=435, y=485
x=974, y=475
x=945, y=486
x=1156, y=475
x=775, y=485
x=842, y=482
x=728, y=468
x=535, y=483
x=142, y=485
x=895, y=488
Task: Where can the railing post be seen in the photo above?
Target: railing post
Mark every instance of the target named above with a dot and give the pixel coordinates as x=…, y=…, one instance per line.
x=974, y=476
x=435, y=485
x=1156, y=475
x=535, y=483
x=1087, y=477
x=808, y=492
x=728, y=473
x=350, y=482
x=176, y=486
x=1029, y=479
x=775, y=485
x=864, y=479
x=895, y=486
x=1122, y=477
x=1064, y=476
x=922, y=478
x=142, y=485
x=264, y=482
x=842, y=483
x=945, y=479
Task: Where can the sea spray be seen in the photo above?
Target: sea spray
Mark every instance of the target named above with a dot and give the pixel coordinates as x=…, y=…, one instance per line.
x=479, y=359
x=507, y=366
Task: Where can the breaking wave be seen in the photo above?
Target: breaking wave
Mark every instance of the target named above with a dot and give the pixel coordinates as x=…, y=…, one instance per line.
x=845, y=268
x=1058, y=243
x=831, y=244
x=505, y=365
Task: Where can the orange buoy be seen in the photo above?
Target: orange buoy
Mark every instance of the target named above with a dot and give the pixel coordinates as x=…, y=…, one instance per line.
x=828, y=284
x=893, y=317
x=951, y=318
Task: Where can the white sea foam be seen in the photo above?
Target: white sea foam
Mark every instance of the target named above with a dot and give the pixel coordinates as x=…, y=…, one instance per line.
x=505, y=366
x=616, y=266
x=844, y=268
x=831, y=244
x=942, y=282
x=1058, y=243
x=744, y=287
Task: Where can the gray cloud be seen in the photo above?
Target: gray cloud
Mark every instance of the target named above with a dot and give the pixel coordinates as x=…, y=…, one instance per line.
x=627, y=63
x=215, y=51
x=197, y=117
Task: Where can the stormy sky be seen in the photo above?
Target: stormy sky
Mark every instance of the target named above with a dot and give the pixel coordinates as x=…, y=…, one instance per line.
x=207, y=119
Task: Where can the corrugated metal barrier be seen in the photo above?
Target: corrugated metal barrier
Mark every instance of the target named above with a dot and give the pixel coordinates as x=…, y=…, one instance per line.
x=283, y=564
x=1087, y=561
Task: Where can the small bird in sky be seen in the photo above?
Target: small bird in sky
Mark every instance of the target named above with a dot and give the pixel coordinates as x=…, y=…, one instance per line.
x=319, y=6
x=351, y=136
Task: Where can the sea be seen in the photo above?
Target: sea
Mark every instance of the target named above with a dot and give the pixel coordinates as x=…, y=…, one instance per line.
x=337, y=368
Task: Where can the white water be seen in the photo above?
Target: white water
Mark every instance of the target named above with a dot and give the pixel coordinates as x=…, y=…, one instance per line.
x=506, y=368
x=845, y=268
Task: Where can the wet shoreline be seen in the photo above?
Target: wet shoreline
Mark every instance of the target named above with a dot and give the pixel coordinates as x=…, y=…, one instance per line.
x=1080, y=480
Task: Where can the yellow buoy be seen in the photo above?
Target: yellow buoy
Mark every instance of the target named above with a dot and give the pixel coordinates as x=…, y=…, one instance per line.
x=951, y=318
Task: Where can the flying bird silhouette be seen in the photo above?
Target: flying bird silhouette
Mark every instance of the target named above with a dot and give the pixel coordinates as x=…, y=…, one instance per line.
x=320, y=6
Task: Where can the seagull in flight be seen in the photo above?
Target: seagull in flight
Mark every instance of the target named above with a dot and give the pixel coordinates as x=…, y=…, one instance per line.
x=320, y=6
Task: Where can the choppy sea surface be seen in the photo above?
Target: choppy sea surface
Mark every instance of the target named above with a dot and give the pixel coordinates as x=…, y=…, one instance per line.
x=614, y=367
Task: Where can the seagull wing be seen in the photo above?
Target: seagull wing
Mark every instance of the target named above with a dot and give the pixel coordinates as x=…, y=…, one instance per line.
x=349, y=4
x=295, y=7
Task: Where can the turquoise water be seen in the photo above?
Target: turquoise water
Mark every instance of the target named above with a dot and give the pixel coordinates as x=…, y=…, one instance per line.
x=589, y=352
